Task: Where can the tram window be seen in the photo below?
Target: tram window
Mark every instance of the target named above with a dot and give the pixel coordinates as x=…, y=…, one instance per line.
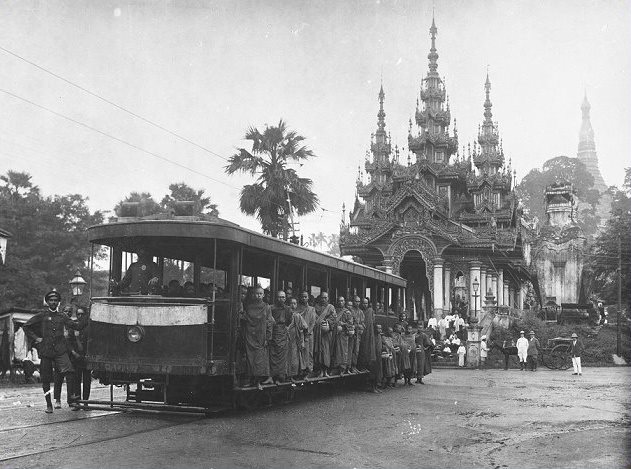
x=316, y=282
x=209, y=278
x=368, y=294
x=257, y=269
x=339, y=286
x=177, y=276
x=290, y=277
x=357, y=287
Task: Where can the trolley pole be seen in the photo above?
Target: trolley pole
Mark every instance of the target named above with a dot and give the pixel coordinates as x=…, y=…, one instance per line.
x=619, y=325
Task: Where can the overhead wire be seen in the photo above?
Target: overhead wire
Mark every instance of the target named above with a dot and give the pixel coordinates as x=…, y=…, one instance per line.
x=120, y=140
x=112, y=103
x=122, y=108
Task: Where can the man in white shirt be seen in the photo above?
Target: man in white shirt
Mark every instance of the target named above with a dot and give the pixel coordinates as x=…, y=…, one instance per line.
x=522, y=350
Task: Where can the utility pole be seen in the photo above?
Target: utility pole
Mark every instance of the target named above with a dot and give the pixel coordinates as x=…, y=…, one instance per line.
x=619, y=325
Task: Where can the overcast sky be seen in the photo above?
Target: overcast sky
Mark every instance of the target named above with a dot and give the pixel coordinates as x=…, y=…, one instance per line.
x=208, y=70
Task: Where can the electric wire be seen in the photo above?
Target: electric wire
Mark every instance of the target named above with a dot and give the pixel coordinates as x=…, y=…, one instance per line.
x=112, y=103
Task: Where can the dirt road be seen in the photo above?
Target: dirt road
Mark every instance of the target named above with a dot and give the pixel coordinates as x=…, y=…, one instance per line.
x=461, y=418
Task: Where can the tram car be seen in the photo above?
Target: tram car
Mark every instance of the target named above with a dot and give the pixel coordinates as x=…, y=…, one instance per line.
x=178, y=347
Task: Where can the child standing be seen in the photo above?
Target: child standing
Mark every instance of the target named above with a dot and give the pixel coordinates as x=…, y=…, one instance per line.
x=462, y=351
x=484, y=351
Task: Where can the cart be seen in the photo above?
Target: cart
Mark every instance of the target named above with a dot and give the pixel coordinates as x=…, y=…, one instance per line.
x=556, y=355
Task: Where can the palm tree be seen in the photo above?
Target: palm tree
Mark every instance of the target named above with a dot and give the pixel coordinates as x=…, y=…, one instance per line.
x=268, y=197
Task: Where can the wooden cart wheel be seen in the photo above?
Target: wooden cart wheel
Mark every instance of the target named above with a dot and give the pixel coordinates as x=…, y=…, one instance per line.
x=561, y=356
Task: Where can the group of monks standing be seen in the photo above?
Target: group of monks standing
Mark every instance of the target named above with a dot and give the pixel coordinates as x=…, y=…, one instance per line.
x=290, y=340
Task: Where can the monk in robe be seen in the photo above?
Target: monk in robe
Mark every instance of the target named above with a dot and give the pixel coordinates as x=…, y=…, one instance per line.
x=256, y=327
x=376, y=367
x=296, y=345
x=322, y=335
x=280, y=338
x=343, y=323
x=368, y=353
x=424, y=349
x=310, y=316
x=389, y=357
x=360, y=327
x=409, y=338
x=403, y=353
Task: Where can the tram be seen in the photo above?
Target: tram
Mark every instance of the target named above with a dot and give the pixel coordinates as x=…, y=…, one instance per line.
x=181, y=350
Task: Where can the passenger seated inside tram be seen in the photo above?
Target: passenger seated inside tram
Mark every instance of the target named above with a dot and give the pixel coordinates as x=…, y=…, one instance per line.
x=189, y=290
x=142, y=276
x=174, y=289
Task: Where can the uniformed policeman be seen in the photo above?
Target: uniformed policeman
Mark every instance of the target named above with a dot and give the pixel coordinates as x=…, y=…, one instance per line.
x=46, y=329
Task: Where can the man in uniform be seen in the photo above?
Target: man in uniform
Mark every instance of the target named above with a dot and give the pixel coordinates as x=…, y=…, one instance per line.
x=58, y=377
x=46, y=329
x=142, y=276
x=576, y=349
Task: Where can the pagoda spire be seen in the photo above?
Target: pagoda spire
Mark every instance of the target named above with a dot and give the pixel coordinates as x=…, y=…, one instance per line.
x=587, y=147
x=490, y=155
x=433, y=55
x=381, y=115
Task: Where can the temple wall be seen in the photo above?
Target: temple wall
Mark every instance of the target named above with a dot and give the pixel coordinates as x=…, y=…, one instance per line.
x=559, y=268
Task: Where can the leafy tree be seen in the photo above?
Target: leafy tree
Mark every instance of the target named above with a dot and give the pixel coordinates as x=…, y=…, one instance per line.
x=272, y=150
x=48, y=241
x=181, y=191
x=531, y=190
x=148, y=206
x=602, y=264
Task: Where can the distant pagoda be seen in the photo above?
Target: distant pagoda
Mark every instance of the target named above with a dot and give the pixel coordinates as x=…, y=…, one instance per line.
x=587, y=148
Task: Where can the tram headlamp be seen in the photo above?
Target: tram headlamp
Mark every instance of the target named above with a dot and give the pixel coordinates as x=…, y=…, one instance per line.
x=135, y=333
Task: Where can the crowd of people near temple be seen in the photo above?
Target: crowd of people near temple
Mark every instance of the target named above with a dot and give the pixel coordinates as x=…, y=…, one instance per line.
x=305, y=338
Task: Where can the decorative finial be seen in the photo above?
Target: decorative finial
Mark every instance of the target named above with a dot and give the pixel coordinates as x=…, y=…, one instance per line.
x=343, y=212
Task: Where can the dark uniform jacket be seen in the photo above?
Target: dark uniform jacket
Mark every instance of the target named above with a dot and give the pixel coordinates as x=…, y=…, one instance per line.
x=49, y=325
x=576, y=349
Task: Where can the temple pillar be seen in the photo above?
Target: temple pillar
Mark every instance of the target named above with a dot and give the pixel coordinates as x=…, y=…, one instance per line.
x=482, y=284
x=506, y=294
x=446, y=290
x=500, y=287
x=494, y=289
x=473, y=345
x=520, y=297
x=489, y=283
x=438, y=287
x=474, y=300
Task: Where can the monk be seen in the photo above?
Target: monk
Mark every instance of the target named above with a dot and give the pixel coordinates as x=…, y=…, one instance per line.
x=403, y=352
x=322, y=335
x=389, y=361
x=280, y=338
x=310, y=317
x=256, y=324
x=360, y=327
x=424, y=349
x=296, y=345
x=343, y=324
x=409, y=339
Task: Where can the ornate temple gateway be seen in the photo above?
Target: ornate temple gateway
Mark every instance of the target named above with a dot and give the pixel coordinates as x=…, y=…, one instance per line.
x=446, y=220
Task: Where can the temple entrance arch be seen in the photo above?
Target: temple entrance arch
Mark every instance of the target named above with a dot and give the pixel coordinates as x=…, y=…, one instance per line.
x=418, y=298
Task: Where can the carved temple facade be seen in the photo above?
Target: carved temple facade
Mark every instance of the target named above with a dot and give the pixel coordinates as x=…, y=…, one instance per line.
x=558, y=249
x=445, y=220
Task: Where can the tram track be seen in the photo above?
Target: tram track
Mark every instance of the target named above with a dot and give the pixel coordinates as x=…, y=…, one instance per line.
x=20, y=435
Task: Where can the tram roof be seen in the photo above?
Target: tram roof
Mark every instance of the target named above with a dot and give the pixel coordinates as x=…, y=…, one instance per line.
x=114, y=234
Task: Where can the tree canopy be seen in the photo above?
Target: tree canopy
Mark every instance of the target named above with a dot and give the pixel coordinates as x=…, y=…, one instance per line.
x=178, y=191
x=277, y=186
x=48, y=242
x=531, y=189
x=602, y=263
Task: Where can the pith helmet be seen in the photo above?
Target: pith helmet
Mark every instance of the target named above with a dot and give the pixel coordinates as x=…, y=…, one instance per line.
x=574, y=336
x=532, y=332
